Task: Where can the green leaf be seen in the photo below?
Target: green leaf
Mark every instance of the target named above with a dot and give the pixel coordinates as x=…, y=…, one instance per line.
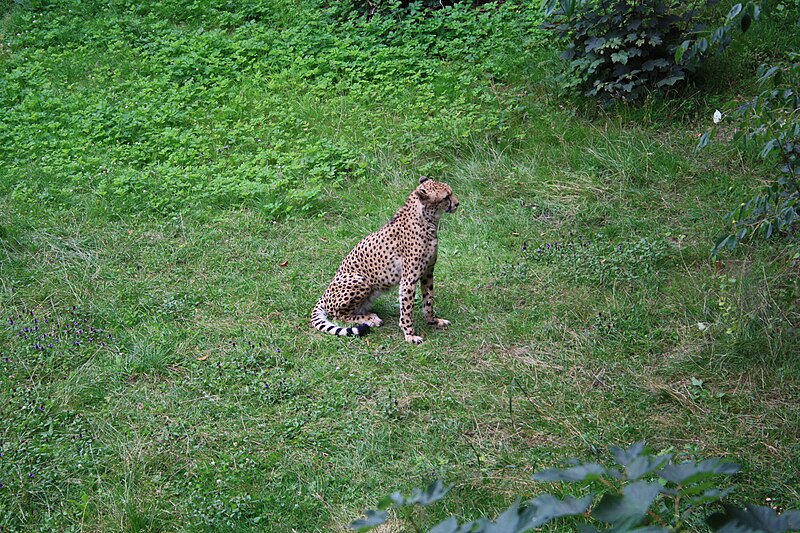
x=768, y=229
x=704, y=138
x=718, y=35
x=633, y=503
x=594, y=43
x=691, y=472
x=645, y=465
x=549, y=7
x=755, y=518
x=531, y=515
x=753, y=10
x=583, y=472
x=393, y=499
x=547, y=507
x=567, y=7
x=710, y=496
x=681, y=50
x=628, y=455
x=373, y=519
x=620, y=57
x=448, y=525
x=510, y=519
x=720, y=244
x=638, y=461
x=768, y=147
x=747, y=20
x=734, y=12
x=652, y=64
x=435, y=492
x=768, y=74
x=671, y=80
x=696, y=489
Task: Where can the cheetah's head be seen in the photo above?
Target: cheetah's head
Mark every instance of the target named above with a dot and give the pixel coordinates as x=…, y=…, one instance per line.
x=437, y=195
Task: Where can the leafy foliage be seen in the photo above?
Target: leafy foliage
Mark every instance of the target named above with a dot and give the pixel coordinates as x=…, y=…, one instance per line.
x=623, y=49
x=651, y=493
x=771, y=119
x=373, y=7
x=754, y=518
x=206, y=105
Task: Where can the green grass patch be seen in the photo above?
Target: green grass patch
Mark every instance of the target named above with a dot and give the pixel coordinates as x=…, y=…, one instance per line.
x=180, y=182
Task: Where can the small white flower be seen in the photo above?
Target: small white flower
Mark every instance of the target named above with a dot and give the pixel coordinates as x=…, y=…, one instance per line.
x=702, y=326
x=717, y=116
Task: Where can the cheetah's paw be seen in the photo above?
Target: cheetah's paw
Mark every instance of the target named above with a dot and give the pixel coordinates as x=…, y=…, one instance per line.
x=375, y=321
x=414, y=339
x=440, y=323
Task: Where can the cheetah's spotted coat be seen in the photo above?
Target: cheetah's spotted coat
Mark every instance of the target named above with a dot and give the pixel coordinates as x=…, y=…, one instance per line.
x=403, y=252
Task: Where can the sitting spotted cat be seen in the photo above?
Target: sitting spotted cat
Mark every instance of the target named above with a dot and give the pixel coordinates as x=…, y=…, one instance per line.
x=403, y=252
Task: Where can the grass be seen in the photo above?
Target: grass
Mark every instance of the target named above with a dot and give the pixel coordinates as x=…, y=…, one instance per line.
x=180, y=183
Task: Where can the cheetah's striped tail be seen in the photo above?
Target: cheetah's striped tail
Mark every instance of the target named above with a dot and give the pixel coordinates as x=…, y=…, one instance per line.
x=319, y=319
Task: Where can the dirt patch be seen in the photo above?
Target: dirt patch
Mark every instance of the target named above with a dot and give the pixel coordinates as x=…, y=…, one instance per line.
x=525, y=355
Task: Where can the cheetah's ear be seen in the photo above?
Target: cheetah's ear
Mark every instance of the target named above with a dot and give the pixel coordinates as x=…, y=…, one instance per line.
x=422, y=193
x=423, y=179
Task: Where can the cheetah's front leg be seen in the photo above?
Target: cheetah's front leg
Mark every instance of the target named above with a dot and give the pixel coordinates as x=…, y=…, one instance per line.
x=406, y=292
x=427, y=301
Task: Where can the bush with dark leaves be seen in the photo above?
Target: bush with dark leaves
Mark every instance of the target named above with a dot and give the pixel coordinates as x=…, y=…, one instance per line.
x=642, y=492
x=624, y=49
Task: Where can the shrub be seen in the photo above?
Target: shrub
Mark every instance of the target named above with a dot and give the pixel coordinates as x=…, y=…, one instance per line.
x=772, y=119
x=623, y=49
x=649, y=493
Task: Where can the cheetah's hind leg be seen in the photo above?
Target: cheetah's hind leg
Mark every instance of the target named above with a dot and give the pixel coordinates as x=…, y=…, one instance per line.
x=364, y=313
x=371, y=319
x=357, y=310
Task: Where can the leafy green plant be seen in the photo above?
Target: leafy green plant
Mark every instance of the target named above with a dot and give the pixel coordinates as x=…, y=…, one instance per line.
x=229, y=111
x=372, y=7
x=642, y=492
x=727, y=305
x=695, y=49
x=771, y=119
x=623, y=49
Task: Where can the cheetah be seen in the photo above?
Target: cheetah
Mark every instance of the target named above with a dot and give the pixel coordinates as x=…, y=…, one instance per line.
x=401, y=253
